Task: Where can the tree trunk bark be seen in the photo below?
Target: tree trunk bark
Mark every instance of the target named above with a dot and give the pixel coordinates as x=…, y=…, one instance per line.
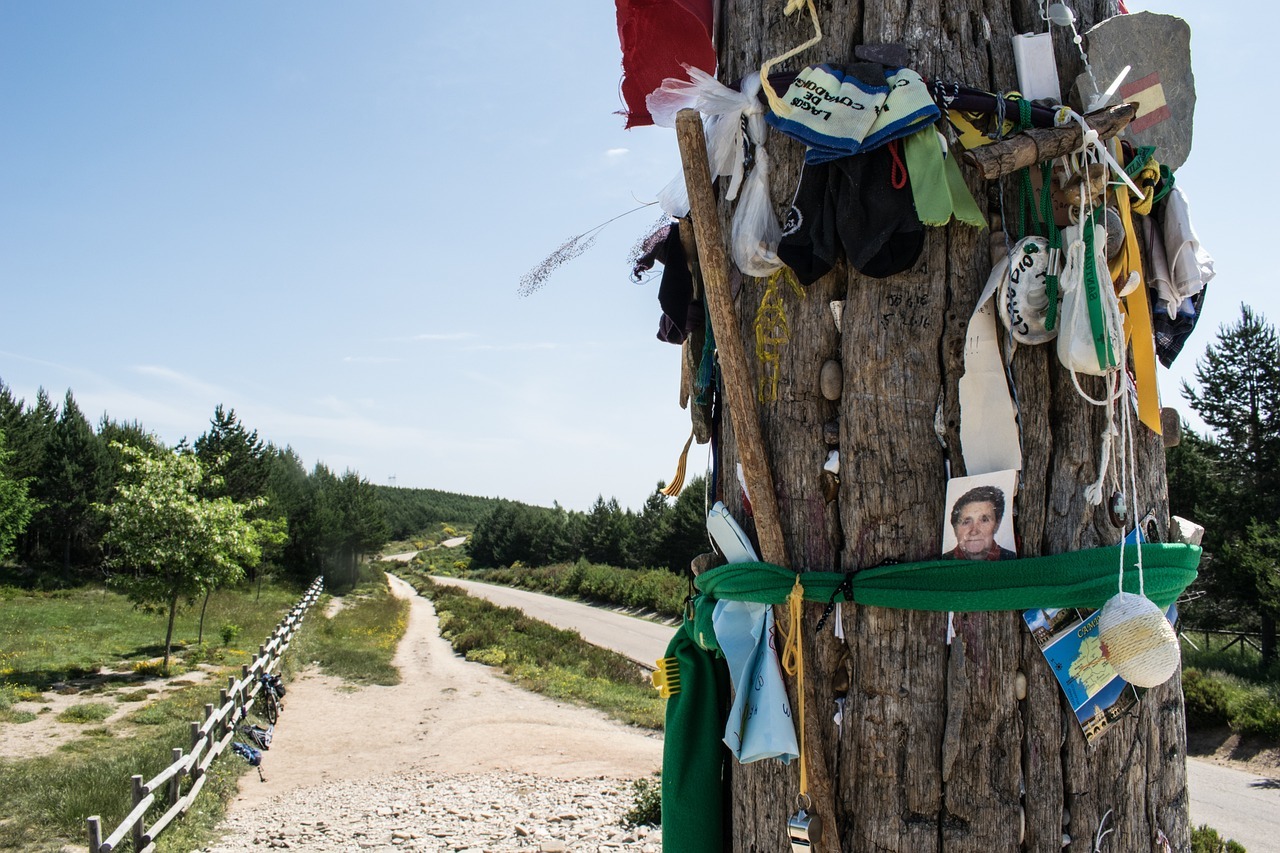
x=203, y=607
x=1268, y=637
x=937, y=751
x=168, y=633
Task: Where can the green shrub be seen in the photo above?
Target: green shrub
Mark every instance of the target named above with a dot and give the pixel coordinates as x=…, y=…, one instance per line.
x=488, y=657
x=646, y=810
x=1207, y=700
x=1257, y=715
x=86, y=712
x=151, y=668
x=134, y=695
x=1205, y=839
x=229, y=632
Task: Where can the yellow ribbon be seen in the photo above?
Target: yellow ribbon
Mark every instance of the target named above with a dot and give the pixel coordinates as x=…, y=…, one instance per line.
x=793, y=665
x=1137, y=318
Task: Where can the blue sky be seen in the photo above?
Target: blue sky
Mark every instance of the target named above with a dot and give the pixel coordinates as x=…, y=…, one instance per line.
x=318, y=213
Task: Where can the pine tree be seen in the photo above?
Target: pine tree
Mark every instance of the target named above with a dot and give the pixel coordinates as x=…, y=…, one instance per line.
x=234, y=455
x=1238, y=396
x=16, y=505
x=72, y=477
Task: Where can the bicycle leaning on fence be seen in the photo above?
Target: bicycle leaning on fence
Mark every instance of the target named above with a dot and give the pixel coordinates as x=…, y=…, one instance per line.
x=271, y=696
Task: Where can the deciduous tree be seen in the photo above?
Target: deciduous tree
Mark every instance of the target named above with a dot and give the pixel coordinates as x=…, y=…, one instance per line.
x=168, y=543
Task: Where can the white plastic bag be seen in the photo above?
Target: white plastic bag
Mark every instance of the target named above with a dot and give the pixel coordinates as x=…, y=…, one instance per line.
x=722, y=110
x=756, y=232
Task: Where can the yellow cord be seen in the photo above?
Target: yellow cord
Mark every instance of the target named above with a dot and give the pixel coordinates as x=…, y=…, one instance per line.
x=772, y=332
x=774, y=99
x=793, y=665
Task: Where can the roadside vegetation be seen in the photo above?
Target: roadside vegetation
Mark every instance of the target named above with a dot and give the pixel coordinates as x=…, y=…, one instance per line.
x=359, y=641
x=1205, y=839
x=541, y=658
x=1231, y=689
x=656, y=590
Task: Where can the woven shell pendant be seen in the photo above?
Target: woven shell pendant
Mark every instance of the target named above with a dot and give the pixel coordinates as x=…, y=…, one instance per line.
x=1137, y=640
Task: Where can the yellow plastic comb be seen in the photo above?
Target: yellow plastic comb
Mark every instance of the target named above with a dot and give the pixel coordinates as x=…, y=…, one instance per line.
x=666, y=677
x=677, y=482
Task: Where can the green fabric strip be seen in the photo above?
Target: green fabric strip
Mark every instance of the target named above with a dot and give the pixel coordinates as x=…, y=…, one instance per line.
x=937, y=187
x=693, y=756
x=1093, y=293
x=1084, y=579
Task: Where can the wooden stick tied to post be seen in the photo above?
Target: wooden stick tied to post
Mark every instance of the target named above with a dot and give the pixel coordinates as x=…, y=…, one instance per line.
x=1044, y=143
x=714, y=263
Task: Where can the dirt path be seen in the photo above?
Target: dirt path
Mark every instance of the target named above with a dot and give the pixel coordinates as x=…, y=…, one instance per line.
x=46, y=732
x=447, y=715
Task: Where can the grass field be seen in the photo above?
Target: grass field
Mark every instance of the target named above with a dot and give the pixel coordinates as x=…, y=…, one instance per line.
x=62, y=636
x=47, y=637
x=358, y=643
x=54, y=637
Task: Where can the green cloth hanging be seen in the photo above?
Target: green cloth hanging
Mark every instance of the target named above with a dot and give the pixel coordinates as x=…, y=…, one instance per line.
x=693, y=756
x=937, y=186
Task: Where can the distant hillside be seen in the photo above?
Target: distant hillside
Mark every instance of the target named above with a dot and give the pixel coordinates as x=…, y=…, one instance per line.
x=410, y=511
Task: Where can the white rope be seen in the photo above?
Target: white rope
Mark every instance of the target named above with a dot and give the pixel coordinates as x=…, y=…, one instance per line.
x=1093, y=492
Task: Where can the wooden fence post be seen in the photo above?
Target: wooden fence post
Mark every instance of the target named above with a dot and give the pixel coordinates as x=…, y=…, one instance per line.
x=95, y=833
x=175, y=784
x=195, y=741
x=139, y=828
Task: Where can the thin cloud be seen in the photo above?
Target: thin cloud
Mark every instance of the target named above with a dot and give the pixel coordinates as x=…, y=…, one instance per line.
x=182, y=380
x=617, y=152
x=370, y=359
x=444, y=336
x=511, y=347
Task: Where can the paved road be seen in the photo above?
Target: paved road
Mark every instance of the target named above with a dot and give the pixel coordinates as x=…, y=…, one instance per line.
x=1240, y=805
x=642, y=641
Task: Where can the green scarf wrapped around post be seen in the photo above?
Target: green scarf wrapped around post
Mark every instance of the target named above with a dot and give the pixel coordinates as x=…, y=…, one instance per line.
x=693, y=754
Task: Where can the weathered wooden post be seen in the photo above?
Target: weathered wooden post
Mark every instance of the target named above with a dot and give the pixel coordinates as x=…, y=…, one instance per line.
x=139, y=828
x=175, y=783
x=948, y=746
x=95, y=833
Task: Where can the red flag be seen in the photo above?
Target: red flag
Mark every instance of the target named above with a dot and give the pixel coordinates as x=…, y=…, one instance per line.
x=656, y=37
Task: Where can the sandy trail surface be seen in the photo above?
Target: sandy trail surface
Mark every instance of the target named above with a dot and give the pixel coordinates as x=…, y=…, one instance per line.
x=447, y=716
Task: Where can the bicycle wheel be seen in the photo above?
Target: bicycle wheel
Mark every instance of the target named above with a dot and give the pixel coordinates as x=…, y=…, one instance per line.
x=270, y=707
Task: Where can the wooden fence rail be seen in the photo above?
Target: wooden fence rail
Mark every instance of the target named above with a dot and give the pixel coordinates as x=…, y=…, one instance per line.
x=1244, y=639
x=208, y=740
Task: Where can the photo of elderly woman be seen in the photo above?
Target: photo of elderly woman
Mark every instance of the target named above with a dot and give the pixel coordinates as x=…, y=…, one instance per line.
x=978, y=528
